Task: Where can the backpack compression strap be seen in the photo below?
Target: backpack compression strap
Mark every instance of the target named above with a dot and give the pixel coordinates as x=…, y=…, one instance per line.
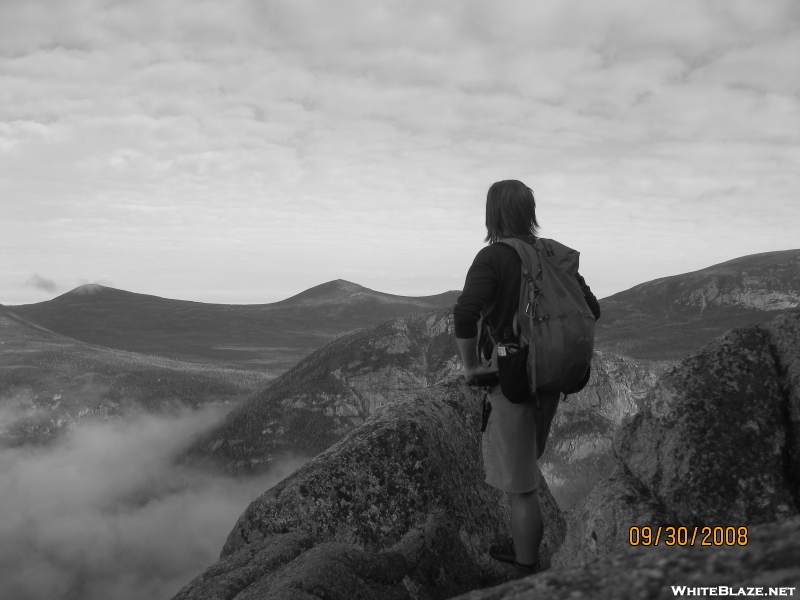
x=529, y=278
x=530, y=309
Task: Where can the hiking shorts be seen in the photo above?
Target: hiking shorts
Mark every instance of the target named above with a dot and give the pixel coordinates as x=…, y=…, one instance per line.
x=515, y=438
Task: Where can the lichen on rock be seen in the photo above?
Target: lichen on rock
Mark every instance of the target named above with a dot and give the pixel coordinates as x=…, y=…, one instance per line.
x=409, y=481
x=710, y=440
x=714, y=444
x=600, y=524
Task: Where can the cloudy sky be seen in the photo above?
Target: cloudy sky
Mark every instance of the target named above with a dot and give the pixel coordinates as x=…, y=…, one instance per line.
x=245, y=150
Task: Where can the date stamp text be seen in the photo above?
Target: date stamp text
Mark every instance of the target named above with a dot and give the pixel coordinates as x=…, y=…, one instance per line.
x=687, y=536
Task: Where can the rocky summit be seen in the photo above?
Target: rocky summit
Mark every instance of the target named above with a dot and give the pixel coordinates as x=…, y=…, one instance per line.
x=396, y=509
x=714, y=445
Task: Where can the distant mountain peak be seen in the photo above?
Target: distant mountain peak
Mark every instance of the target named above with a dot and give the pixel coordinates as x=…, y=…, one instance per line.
x=87, y=289
x=336, y=291
x=347, y=285
x=340, y=285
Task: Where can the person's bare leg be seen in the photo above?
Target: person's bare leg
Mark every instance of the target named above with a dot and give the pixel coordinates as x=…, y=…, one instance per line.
x=526, y=526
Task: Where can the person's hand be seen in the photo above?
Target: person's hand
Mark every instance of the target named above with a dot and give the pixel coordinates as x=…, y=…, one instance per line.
x=481, y=372
x=473, y=367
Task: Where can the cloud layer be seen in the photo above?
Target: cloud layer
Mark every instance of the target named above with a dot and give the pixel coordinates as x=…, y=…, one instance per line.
x=252, y=148
x=105, y=515
x=42, y=283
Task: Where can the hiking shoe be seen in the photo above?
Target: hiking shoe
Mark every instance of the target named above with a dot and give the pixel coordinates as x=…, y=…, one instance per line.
x=523, y=571
x=504, y=552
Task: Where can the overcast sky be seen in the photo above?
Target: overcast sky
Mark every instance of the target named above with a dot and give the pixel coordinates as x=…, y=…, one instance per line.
x=245, y=150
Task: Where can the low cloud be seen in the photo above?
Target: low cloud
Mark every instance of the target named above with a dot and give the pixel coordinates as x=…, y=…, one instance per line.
x=105, y=514
x=42, y=283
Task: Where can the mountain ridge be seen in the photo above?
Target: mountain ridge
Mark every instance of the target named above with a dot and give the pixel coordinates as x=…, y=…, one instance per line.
x=731, y=268
x=668, y=317
x=341, y=290
x=255, y=336
x=664, y=318
x=49, y=382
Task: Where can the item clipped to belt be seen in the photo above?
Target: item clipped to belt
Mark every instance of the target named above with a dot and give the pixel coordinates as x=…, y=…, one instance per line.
x=485, y=411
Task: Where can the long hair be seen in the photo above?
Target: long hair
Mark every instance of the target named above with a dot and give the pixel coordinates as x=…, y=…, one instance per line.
x=510, y=211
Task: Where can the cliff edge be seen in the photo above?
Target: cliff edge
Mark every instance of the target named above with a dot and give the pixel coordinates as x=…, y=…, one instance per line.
x=396, y=509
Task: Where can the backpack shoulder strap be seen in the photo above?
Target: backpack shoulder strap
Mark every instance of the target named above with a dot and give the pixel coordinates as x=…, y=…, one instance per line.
x=528, y=253
x=530, y=256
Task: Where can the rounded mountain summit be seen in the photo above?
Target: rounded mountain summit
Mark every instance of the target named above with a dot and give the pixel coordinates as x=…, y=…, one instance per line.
x=277, y=334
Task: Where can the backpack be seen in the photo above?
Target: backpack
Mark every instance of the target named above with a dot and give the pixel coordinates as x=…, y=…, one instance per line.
x=553, y=308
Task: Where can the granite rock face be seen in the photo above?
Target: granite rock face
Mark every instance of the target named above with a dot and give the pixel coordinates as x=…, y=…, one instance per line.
x=771, y=559
x=711, y=441
x=785, y=340
x=292, y=567
x=600, y=524
x=617, y=386
x=404, y=490
x=714, y=444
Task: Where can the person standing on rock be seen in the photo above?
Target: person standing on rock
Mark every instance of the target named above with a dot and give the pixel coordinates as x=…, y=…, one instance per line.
x=516, y=434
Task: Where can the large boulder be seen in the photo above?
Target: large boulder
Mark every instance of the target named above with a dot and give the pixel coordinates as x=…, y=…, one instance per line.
x=601, y=523
x=716, y=443
x=784, y=335
x=770, y=559
x=712, y=441
x=291, y=567
x=405, y=490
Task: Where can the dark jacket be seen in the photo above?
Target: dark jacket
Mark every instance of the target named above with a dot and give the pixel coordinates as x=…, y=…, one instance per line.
x=493, y=283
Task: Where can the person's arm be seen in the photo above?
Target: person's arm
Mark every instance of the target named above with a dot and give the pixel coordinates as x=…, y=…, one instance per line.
x=594, y=305
x=479, y=290
x=468, y=349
